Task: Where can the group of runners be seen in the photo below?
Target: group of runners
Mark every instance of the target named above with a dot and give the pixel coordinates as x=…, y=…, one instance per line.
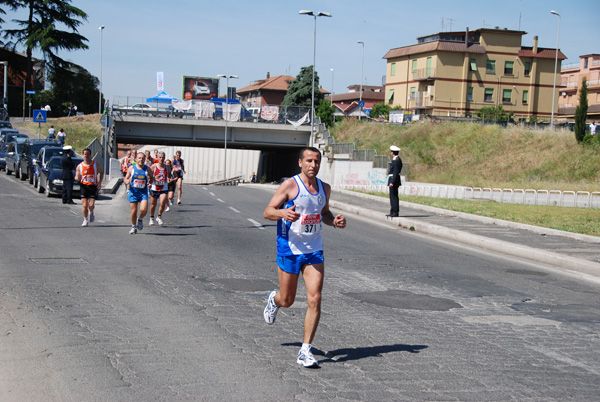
x=151, y=177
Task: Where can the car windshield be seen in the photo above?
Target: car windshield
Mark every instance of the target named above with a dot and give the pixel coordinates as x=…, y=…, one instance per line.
x=55, y=164
x=5, y=124
x=53, y=152
x=34, y=149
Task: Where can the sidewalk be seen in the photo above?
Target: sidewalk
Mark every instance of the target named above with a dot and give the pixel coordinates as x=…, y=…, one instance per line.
x=564, y=250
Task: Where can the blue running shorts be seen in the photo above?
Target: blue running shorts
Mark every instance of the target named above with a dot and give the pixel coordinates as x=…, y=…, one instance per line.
x=137, y=196
x=292, y=264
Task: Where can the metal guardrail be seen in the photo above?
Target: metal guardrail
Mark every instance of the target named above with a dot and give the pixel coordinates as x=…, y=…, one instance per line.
x=578, y=199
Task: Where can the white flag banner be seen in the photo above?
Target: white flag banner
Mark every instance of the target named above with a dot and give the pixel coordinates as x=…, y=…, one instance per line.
x=298, y=123
x=182, y=105
x=160, y=81
x=269, y=112
x=232, y=111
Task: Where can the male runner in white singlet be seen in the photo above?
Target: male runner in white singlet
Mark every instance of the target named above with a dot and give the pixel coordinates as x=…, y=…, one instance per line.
x=300, y=206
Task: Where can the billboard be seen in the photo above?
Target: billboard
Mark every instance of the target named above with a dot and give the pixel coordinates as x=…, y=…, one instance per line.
x=200, y=88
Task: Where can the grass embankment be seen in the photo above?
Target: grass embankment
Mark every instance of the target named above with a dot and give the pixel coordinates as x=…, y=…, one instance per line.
x=80, y=130
x=490, y=156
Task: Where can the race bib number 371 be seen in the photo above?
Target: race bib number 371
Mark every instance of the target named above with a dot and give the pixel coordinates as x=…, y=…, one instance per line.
x=310, y=223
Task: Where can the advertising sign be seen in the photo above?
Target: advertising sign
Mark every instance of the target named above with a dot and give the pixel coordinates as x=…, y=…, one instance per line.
x=160, y=81
x=200, y=88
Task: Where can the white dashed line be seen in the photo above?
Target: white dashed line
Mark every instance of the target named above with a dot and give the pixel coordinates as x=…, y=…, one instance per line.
x=234, y=210
x=258, y=225
x=220, y=200
x=211, y=193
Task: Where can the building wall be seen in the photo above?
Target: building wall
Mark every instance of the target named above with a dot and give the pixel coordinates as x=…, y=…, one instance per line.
x=572, y=78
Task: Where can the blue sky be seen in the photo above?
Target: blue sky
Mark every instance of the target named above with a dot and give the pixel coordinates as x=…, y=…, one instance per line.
x=250, y=38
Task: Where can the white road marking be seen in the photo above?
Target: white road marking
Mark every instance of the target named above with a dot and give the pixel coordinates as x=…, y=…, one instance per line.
x=220, y=200
x=257, y=224
x=234, y=210
x=211, y=193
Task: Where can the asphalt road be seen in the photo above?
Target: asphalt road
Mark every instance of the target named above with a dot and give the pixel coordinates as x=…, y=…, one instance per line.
x=175, y=312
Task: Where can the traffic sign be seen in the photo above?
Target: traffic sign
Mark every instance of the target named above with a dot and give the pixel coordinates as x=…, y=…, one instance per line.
x=361, y=104
x=106, y=120
x=30, y=92
x=39, y=116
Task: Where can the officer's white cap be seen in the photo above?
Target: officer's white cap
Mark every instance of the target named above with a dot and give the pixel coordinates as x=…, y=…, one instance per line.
x=394, y=148
x=67, y=147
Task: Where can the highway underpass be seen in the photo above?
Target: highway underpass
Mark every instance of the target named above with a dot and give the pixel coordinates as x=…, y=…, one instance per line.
x=279, y=143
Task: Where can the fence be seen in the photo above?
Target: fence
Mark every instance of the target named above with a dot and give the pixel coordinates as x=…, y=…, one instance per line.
x=579, y=199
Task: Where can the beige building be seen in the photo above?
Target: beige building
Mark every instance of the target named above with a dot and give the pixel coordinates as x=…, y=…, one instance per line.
x=458, y=73
x=572, y=75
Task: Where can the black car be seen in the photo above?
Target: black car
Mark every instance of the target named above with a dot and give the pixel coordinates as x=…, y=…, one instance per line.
x=12, y=155
x=3, y=148
x=5, y=124
x=50, y=181
x=30, y=149
x=43, y=157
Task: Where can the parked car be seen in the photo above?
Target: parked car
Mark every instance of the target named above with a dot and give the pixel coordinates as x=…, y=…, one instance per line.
x=2, y=156
x=29, y=151
x=43, y=157
x=5, y=124
x=51, y=182
x=13, y=153
x=7, y=135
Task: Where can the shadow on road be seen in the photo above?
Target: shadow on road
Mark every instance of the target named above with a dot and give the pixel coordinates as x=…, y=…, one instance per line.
x=348, y=354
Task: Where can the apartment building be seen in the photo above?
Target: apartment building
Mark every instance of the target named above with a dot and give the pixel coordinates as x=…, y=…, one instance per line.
x=269, y=91
x=571, y=78
x=458, y=73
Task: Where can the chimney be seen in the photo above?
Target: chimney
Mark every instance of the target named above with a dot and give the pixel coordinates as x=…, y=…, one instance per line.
x=467, y=38
x=535, y=44
x=268, y=75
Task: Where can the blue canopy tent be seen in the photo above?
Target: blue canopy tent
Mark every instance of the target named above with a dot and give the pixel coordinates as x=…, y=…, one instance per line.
x=162, y=97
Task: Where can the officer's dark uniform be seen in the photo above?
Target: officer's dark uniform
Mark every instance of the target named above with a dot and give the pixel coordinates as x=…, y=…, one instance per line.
x=67, y=177
x=394, y=180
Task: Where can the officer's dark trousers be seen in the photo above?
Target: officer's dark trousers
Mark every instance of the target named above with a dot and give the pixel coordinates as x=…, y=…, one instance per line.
x=67, y=191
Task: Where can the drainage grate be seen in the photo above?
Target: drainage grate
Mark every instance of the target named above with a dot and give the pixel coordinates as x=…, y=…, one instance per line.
x=58, y=261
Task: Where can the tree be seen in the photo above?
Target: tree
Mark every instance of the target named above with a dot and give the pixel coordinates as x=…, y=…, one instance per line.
x=325, y=112
x=381, y=110
x=75, y=85
x=581, y=113
x=496, y=113
x=299, y=91
x=40, y=31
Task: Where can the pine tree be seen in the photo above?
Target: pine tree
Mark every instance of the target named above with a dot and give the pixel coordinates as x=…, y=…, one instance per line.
x=299, y=91
x=581, y=113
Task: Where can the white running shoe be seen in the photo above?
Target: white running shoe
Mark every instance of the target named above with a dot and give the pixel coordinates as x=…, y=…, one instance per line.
x=306, y=358
x=167, y=209
x=178, y=201
x=170, y=202
x=140, y=225
x=133, y=230
x=92, y=217
x=159, y=221
x=85, y=223
x=151, y=222
x=270, y=312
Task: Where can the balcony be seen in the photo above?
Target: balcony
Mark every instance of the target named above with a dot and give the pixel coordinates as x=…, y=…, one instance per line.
x=422, y=100
x=424, y=74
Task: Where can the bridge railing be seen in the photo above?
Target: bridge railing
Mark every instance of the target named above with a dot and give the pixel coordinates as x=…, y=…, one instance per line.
x=274, y=114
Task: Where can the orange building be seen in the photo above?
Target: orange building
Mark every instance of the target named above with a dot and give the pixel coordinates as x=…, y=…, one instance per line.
x=571, y=78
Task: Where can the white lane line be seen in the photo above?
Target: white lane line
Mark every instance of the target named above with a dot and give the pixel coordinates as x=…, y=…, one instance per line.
x=220, y=200
x=234, y=210
x=205, y=188
x=211, y=193
x=257, y=224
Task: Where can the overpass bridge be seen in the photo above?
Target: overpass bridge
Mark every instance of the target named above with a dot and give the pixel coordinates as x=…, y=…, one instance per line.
x=279, y=143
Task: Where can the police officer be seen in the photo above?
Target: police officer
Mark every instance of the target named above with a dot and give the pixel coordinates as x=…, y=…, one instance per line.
x=394, y=181
x=67, y=175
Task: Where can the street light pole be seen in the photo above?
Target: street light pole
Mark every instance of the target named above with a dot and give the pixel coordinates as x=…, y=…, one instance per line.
x=362, y=63
x=100, y=94
x=312, y=103
x=555, y=68
x=227, y=77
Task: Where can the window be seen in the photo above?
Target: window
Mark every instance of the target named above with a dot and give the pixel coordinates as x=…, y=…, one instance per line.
x=490, y=67
x=429, y=67
x=489, y=95
x=412, y=92
x=472, y=65
x=506, y=95
x=390, y=96
x=470, y=93
x=393, y=69
x=508, y=67
x=414, y=66
x=585, y=63
x=525, y=94
x=527, y=68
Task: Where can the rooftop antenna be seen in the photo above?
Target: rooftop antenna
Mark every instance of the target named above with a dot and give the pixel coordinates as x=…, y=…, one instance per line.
x=520, y=12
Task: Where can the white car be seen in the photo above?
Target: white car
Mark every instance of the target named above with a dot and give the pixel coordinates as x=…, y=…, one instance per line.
x=200, y=88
